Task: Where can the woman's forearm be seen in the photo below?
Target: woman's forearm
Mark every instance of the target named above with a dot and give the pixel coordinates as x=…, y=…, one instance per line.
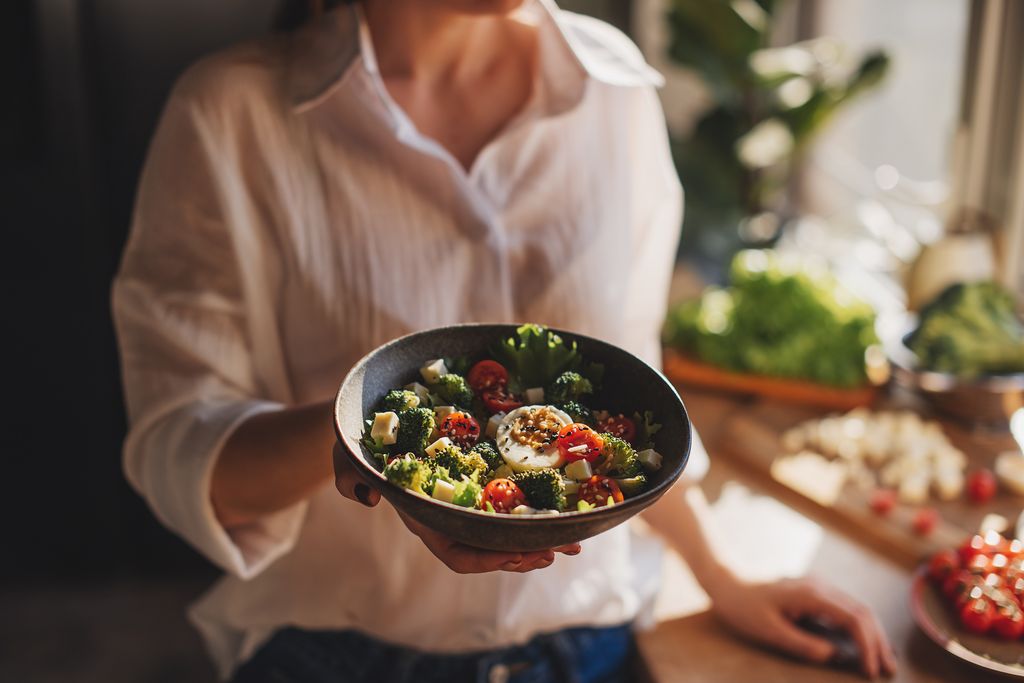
x=272, y=461
x=683, y=518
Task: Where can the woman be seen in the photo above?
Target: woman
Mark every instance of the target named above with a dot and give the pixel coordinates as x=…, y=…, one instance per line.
x=387, y=167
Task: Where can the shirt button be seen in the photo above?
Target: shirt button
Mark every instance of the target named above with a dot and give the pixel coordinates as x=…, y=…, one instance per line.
x=499, y=673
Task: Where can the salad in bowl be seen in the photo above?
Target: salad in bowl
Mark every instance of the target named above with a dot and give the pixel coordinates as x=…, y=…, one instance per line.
x=512, y=437
x=474, y=433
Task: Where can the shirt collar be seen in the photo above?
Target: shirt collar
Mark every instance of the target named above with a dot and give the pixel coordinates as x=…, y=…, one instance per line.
x=322, y=52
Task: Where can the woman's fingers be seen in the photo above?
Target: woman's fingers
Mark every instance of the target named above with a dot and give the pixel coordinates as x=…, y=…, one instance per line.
x=875, y=653
x=350, y=483
x=464, y=559
x=791, y=639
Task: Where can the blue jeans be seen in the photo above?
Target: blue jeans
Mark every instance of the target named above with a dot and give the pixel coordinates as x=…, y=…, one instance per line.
x=578, y=655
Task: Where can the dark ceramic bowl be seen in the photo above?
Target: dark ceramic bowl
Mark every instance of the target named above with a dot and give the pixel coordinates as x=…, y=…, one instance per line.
x=629, y=384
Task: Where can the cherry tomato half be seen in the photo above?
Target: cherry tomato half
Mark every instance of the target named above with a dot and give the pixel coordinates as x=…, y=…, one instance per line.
x=942, y=565
x=598, y=489
x=981, y=486
x=487, y=374
x=497, y=400
x=579, y=442
x=620, y=426
x=461, y=428
x=503, y=495
x=977, y=615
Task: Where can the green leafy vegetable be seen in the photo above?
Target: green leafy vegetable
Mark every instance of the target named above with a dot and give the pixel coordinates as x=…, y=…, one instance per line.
x=646, y=428
x=970, y=330
x=536, y=356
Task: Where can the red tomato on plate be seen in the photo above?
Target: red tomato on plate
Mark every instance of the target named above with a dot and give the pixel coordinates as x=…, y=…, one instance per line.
x=461, y=428
x=977, y=615
x=598, y=489
x=1008, y=624
x=503, y=495
x=498, y=400
x=579, y=442
x=942, y=565
x=618, y=425
x=487, y=374
x=981, y=486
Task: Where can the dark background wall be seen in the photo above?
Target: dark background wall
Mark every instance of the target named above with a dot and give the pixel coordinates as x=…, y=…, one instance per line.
x=84, y=82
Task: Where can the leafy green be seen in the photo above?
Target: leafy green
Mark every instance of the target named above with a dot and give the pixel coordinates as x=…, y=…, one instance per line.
x=970, y=330
x=780, y=317
x=467, y=492
x=646, y=428
x=536, y=356
x=375, y=446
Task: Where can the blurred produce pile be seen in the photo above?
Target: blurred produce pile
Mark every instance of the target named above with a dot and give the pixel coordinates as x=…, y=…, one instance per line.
x=783, y=317
x=970, y=329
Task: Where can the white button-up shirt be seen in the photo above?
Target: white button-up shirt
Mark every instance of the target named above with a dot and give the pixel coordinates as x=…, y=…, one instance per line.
x=290, y=218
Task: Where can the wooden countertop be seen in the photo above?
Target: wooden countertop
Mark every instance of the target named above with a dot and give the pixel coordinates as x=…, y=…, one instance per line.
x=697, y=648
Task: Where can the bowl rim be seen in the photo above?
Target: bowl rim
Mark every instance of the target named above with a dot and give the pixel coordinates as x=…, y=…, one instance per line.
x=352, y=448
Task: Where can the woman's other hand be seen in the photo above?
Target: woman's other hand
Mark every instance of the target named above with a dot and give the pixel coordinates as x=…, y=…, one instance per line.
x=460, y=558
x=767, y=613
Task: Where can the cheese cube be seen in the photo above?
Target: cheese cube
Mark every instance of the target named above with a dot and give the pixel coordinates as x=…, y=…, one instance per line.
x=571, y=487
x=439, y=445
x=650, y=459
x=433, y=371
x=492, y=425
x=444, y=491
x=385, y=428
x=534, y=396
x=441, y=412
x=421, y=392
x=579, y=470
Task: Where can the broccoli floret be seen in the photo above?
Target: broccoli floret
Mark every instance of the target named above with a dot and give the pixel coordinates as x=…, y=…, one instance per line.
x=543, y=489
x=460, y=464
x=578, y=412
x=455, y=390
x=568, y=386
x=436, y=473
x=467, y=493
x=398, y=400
x=409, y=473
x=632, y=486
x=970, y=330
x=489, y=453
x=621, y=458
x=414, y=428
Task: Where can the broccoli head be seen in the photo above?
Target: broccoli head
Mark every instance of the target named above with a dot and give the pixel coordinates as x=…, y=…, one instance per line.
x=409, y=473
x=632, y=486
x=489, y=453
x=968, y=330
x=455, y=390
x=568, y=386
x=415, y=426
x=543, y=489
x=578, y=412
x=621, y=459
x=460, y=464
x=398, y=400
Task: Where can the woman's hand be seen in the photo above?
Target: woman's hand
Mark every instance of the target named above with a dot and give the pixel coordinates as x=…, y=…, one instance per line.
x=767, y=613
x=460, y=558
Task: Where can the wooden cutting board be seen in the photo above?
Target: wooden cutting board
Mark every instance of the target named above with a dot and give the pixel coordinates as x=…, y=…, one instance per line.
x=749, y=431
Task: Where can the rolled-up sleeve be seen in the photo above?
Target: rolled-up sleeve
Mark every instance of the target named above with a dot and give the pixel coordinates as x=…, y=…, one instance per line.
x=185, y=342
